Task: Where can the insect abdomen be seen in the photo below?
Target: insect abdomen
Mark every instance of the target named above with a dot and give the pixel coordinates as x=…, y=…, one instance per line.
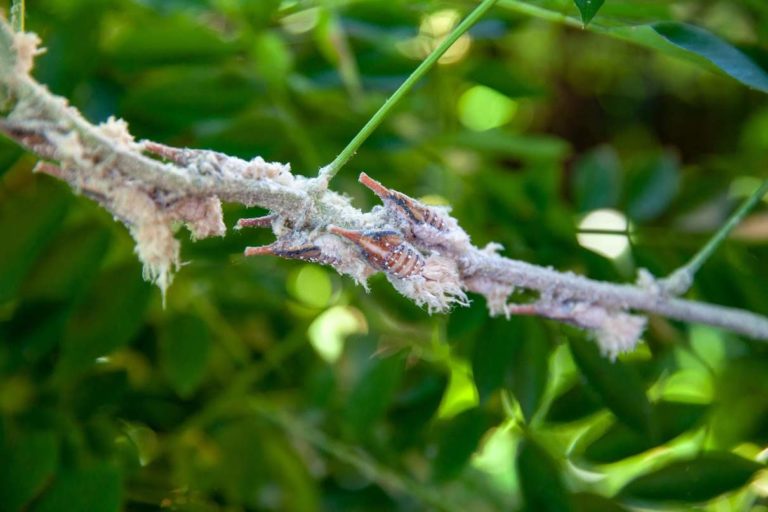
x=386, y=251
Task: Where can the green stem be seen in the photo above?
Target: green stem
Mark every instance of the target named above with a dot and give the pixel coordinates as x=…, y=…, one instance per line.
x=681, y=279
x=17, y=15
x=329, y=171
x=542, y=13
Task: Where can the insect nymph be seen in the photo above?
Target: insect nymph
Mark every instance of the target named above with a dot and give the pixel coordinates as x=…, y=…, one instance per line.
x=405, y=206
x=386, y=251
x=310, y=253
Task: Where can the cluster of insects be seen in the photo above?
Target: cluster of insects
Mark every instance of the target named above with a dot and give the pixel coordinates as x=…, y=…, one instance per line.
x=389, y=251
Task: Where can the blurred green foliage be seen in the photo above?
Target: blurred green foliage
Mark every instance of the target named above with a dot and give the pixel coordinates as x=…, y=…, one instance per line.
x=273, y=385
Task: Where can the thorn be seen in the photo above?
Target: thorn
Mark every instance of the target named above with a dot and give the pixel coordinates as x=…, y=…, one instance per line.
x=49, y=169
x=163, y=151
x=256, y=222
x=522, y=309
x=376, y=187
x=355, y=236
x=302, y=252
x=264, y=250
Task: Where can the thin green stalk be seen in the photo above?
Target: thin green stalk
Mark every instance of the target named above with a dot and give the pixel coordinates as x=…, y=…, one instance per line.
x=329, y=171
x=17, y=15
x=534, y=11
x=681, y=279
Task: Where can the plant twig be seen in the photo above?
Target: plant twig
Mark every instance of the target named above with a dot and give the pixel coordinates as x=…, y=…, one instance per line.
x=328, y=172
x=680, y=281
x=422, y=250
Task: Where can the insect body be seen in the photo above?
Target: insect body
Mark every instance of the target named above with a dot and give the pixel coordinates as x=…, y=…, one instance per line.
x=306, y=252
x=407, y=207
x=386, y=251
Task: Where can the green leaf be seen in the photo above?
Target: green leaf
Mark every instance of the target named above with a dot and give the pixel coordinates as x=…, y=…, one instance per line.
x=457, y=441
x=597, y=179
x=619, y=441
x=256, y=460
x=707, y=45
x=691, y=481
x=528, y=373
x=95, y=489
x=9, y=154
x=36, y=328
x=185, y=343
x=540, y=479
x=70, y=262
x=24, y=236
x=109, y=317
x=372, y=395
x=192, y=42
x=529, y=148
x=27, y=465
x=245, y=473
x=617, y=384
x=415, y=404
x=578, y=402
x=273, y=59
x=515, y=354
x=588, y=9
x=495, y=349
x=585, y=502
x=653, y=186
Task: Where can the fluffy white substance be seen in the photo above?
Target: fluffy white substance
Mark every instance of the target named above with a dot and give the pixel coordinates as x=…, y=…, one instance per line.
x=496, y=294
x=69, y=147
x=27, y=48
x=620, y=332
x=151, y=228
x=345, y=258
x=117, y=130
x=202, y=215
x=258, y=168
x=438, y=287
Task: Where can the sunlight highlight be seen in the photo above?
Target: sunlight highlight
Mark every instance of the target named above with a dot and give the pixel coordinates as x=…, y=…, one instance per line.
x=609, y=245
x=329, y=331
x=481, y=108
x=433, y=29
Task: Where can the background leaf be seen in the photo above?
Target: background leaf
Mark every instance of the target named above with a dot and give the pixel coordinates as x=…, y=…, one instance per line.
x=96, y=488
x=617, y=385
x=619, y=442
x=540, y=479
x=588, y=9
x=185, y=344
x=729, y=59
x=28, y=463
x=458, y=440
x=597, y=179
x=695, y=480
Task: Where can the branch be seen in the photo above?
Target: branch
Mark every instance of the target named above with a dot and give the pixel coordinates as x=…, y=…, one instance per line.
x=422, y=250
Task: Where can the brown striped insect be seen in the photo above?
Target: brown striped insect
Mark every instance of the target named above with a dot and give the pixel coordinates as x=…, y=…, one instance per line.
x=405, y=206
x=386, y=251
x=307, y=252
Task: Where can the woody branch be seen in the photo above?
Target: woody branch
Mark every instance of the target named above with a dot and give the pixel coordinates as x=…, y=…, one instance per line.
x=422, y=250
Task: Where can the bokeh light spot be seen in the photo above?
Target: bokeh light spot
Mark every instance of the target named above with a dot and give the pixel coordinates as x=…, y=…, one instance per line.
x=481, y=108
x=329, y=330
x=609, y=245
x=311, y=285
